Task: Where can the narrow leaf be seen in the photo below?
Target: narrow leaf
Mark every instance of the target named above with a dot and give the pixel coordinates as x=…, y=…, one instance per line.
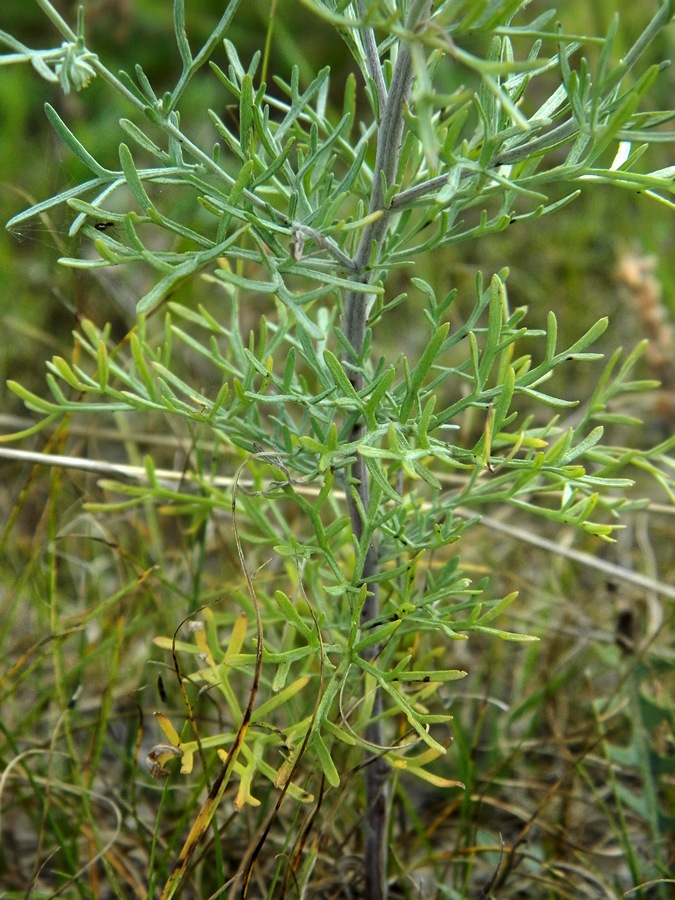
x=72, y=142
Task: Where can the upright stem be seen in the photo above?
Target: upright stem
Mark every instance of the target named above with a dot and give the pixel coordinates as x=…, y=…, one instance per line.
x=355, y=318
x=357, y=304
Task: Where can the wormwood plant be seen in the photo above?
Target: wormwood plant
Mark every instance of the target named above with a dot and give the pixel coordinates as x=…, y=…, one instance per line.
x=345, y=468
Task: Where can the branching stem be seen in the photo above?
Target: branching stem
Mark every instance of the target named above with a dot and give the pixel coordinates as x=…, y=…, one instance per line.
x=390, y=133
x=355, y=317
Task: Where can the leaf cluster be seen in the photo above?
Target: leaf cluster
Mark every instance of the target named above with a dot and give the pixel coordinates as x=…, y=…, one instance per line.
x=283, y=206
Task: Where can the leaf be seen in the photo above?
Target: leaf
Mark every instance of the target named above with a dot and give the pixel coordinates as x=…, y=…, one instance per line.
x=73, y=144
x=292, y=616
x=246, y=114
x=505, y=635
x=133, y=179
x=192, y=264
x=431, y=675
x=325, y=760
x=421, y=370
x=280, y=698
x=143, y=140
x=181, y=33
x=340, y=377
x=32, y=401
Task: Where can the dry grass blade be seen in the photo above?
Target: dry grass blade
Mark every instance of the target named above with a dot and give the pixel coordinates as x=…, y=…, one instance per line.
x=212, y=802
x=297, y=850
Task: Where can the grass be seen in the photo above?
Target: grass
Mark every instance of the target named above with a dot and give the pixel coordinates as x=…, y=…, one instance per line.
x=564, y=745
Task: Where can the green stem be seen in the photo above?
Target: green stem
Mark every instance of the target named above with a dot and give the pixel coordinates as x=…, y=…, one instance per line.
x=56, y=20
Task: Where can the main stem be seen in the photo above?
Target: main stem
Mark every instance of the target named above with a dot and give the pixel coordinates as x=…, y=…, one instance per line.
x=354, y=322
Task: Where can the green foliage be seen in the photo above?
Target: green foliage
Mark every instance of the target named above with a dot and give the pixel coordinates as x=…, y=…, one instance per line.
x=352, y=469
